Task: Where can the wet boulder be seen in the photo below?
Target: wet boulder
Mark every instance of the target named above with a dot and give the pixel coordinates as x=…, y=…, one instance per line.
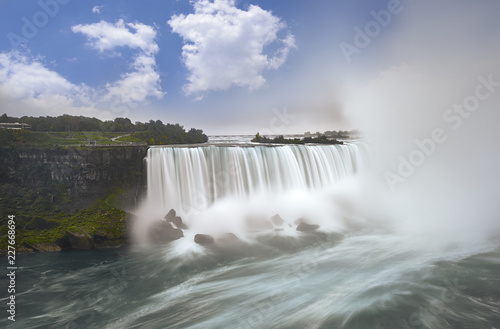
x=100, y=236
x=164, y=232
x=178, y=222
x=63, y=242
x=172, y=217
x=44, y=247
x=203, y=239
x=304, y=227
x=80, y=239
x=277, y=220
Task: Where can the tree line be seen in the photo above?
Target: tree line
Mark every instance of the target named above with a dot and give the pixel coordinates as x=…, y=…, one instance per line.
x=152, y=132
x=321, y=139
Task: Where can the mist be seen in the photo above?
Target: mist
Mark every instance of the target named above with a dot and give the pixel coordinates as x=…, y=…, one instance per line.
x=431, y=119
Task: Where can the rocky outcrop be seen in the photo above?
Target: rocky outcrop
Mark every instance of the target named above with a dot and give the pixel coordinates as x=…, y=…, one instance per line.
x=277, y=220
x=63, y=243
x=203, y=239
x=171, y=217
x=44, y=247
x=100, y=236
x=163, y=232
x=304, y=227
x=80, y=240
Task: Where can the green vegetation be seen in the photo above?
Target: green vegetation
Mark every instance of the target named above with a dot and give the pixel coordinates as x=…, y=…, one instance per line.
x=336, y=134
x=160, y=134
x=321, y=139
x=72, y=123
x=37, y=223
x=129, y=139
x=78, y=130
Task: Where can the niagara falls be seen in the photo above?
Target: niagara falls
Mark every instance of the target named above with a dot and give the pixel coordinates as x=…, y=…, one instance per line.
x=249, y=164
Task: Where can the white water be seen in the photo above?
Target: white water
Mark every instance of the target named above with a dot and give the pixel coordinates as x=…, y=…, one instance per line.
x=217, y=189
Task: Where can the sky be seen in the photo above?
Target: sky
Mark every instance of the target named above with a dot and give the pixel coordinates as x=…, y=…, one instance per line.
x=247, y=66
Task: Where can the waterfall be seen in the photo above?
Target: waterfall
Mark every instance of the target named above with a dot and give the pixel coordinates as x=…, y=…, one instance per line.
x=187, y=178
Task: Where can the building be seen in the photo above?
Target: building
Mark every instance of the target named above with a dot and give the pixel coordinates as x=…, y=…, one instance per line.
x=14, y=125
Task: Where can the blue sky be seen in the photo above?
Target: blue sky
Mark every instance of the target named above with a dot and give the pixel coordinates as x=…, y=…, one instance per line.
x=231, y=67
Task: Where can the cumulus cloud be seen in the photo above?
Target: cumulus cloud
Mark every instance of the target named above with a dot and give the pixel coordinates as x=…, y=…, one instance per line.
x=105, y=36
x=27, y=85
x=143, y=81
x=136, y=86
x=225, y=46
x=97, y=9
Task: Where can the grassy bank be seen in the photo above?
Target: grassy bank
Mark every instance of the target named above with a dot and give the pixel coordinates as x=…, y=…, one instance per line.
x=40, y=223
x=51, y=139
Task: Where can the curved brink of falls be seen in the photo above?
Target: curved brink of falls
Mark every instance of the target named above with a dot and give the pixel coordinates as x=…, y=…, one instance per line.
x=185, y=178
x=216, y=187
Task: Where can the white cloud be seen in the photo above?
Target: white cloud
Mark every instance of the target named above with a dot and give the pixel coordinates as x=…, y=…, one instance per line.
x=136, y=86
x=97, y=9
x=144, y=81
x=105, y=36
x=225, y=45
x=27, y=86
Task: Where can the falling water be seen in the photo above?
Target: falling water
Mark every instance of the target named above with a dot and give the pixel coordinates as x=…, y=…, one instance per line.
x=186, y=178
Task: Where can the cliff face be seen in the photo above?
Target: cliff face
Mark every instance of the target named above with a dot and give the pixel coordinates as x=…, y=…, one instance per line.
x=58, y=193
x=74, y=178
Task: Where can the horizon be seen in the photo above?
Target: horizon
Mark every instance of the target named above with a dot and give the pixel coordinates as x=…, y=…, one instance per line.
x=213, y=135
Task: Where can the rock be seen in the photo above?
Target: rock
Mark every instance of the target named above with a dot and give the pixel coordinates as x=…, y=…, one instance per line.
x=45, y=247
x=100, y=236
x=80, y=240
x=277, y=220
x=178, y=222
x=63, y=243
x=228, y=237
x=23, y=249
x=203, y=239
x=164, y=232
x=171, y=217
x=304, y=227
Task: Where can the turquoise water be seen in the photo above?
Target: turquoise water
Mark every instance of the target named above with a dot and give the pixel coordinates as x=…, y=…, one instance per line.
x=310, y=281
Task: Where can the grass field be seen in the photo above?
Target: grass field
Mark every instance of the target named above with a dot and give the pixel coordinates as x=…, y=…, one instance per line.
x=16, y=137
